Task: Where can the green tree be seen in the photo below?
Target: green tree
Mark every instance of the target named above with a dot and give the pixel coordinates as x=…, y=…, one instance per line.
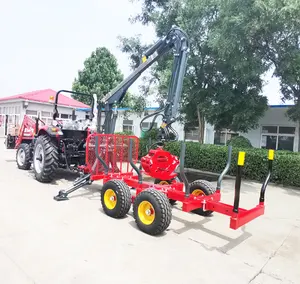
x=136, y=104
x=280, y=45
x=223, y=88
x=99, y=75
x=272, y=29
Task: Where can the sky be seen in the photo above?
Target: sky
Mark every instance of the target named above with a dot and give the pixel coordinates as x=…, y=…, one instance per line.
x=44, y=43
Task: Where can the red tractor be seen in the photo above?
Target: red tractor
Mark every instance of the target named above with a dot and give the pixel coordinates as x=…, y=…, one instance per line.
x=48, y=148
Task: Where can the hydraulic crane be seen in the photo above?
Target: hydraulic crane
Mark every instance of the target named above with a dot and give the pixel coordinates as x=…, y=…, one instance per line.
x=175, y=40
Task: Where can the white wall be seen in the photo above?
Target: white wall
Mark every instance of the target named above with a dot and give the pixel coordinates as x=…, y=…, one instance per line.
x=274, y=116
x=13, y=109
x=34, y=106
x=209, y=134
x=136, y=123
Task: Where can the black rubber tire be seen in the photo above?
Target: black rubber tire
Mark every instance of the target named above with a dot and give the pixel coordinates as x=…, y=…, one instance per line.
x=27, y=161
x=123, y=196
x=162, y=208
x=50, y=164
x=157, y=181
x=207, y=189
x=7, y=144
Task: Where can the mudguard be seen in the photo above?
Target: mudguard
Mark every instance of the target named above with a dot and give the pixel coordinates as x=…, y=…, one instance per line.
x=52, y=131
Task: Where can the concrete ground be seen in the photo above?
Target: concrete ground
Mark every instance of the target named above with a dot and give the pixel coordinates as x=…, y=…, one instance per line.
x=43, y=241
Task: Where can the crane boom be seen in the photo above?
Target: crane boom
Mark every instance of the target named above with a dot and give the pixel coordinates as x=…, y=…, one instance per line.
x=175, y=40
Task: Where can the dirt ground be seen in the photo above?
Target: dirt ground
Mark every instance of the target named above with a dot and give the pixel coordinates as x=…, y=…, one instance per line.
x=43, y=241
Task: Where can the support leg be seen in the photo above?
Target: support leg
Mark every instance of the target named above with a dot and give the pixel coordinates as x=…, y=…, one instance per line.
x=80, y=182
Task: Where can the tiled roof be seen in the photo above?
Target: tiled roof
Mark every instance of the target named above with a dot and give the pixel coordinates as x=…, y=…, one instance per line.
x=43, y=96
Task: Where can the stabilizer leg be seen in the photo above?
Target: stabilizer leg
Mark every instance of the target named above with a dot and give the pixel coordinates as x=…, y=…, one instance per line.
x=80, y=182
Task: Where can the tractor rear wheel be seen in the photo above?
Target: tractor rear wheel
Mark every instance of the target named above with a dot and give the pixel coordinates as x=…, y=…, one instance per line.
x=45, y=159
x=162, y=182
x=199, y=188
x=23, y=157
x=152, y=211
x=116, y=198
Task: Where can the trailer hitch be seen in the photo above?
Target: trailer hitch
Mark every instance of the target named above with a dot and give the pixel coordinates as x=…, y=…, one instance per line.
x=84, y=179
x=78, y=183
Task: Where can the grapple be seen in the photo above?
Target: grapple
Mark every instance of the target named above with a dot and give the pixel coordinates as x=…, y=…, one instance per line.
x=160, y=164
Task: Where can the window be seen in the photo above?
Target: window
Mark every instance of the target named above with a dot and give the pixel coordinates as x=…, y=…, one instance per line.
x=46, y=117
x=46, y=114
x=147, y=125
x=31, y=112
x=64, y=116
x=127, y=125
x=17, y=119
x=192, y=134
x=278, y=137
x=222, y=137
x=17, y=110
x=2, y=119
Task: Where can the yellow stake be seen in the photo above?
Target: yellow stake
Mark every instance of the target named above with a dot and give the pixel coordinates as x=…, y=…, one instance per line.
x=271, y=155
x=241, y=158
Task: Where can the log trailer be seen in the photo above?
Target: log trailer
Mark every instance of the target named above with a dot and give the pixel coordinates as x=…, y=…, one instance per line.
x=112, y=158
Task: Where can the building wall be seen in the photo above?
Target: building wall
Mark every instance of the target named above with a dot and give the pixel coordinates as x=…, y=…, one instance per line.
x=17, y=109
x=274, y=116
x=135, y=119
x=209, y=134
x=13, y=110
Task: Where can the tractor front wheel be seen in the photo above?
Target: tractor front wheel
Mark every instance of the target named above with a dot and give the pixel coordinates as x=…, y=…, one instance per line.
x=199, y=188
x=23, y=157
x=152, y=211
x=116, y=198
x=45, y=159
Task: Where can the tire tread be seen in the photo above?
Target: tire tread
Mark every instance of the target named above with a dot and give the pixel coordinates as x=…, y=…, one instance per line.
x=51, y=159
x=164, y=206
x=123, y=194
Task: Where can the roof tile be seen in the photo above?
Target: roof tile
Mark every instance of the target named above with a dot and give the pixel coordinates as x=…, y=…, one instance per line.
x=43, y=96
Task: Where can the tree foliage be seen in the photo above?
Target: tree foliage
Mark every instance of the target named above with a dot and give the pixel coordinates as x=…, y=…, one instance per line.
x=240, y=142
x=272, y=29
x=135, y=103
x=222, y=87
x=99, y=75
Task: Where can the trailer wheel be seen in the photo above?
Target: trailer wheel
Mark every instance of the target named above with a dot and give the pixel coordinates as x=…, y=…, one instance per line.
x=158, y=181
x=116, y=198
x=152, y=211
x=23, y=157
x=45, y=159
x=202, y=187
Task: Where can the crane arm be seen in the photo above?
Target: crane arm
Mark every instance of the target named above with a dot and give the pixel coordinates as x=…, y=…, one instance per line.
x=175, y=40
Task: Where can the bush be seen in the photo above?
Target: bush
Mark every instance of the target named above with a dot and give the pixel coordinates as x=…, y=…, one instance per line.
x=213, y=158
x=148, y=137
x=125, y=133
x=240, y=142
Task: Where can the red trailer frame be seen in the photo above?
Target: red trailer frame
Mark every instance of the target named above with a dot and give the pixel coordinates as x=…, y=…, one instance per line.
x=179, y=190
x=105, y=151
